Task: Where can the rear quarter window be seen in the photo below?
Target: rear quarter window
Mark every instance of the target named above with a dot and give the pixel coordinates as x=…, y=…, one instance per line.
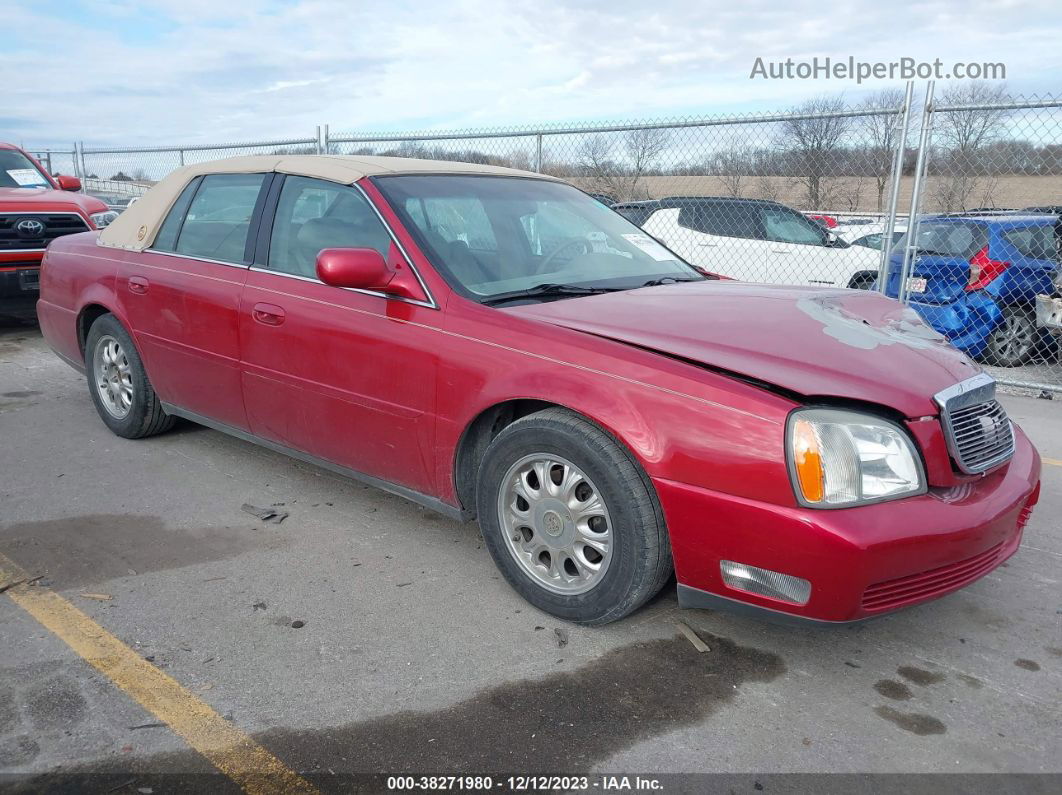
x=1036, y=242
x=948, y=239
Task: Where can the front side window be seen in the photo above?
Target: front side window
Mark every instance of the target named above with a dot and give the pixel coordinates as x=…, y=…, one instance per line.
x=314, y=214
x=782, y=226
x=722, y=219
x=494, y=235
x=219, y=217
x=18, y=171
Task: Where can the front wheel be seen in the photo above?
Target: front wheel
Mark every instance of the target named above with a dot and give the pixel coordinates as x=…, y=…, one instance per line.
x=570, y=518
x=1014, y=340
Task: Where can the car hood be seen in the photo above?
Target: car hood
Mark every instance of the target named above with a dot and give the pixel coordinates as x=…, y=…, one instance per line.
x=12, y=200
x=854, y=344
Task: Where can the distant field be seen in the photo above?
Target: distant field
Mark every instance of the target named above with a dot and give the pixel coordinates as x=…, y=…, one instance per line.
x=852, y=194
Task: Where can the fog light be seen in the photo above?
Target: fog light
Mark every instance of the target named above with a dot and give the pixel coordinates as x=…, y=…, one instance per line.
x=776, y=585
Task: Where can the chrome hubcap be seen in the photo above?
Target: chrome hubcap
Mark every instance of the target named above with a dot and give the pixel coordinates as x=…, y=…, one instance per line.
x=556, y=524
x=113, y=376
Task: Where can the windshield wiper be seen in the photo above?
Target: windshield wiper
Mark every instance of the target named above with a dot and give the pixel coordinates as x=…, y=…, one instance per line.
x=549, y=290
x=671, y=280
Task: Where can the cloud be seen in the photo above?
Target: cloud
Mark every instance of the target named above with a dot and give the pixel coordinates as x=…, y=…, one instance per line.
x=168, y=71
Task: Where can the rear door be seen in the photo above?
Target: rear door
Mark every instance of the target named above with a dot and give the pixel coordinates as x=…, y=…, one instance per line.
x=797, y=252
x=182, y=295
x=343, y=375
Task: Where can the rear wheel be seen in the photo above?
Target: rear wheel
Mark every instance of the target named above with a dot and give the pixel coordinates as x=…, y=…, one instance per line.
x=863, y=281
x=118, y=384
x=570, y=519
x=1014, y=340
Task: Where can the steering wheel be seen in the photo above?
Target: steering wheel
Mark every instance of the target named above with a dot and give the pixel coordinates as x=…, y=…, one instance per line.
x=579, y=241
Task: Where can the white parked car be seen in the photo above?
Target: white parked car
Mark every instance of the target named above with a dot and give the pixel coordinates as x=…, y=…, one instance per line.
x=869, y=235
x=760, y=241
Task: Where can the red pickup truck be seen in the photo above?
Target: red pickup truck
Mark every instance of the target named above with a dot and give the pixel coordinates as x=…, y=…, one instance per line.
x=36, y=208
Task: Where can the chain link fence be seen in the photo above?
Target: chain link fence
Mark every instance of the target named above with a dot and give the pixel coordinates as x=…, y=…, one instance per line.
x=822, y=194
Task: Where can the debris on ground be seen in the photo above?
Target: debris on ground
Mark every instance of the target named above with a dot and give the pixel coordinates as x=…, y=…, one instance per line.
x=298, y=624
x=562, y=637
x=258, y=606
x=692, y=637
x=99, y=597
x=24, y=581
x=271, y=514
x=147, y=726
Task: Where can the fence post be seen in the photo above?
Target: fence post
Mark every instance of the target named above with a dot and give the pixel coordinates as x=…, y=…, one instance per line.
x=538, y=153
x=324, y=140
x=916, y=192
x=894, y=191
x=84, y=168
x=180, y=154
x=317, y=140
x=74, y=158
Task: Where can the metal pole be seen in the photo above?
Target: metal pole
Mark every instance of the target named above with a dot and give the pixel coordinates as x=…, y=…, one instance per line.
x=538, y=153
x=916, y=192
x=894, y=196
x=317, y=140
x=324, y=137
x=84, y=168
x=180, y=154
x=74, y=157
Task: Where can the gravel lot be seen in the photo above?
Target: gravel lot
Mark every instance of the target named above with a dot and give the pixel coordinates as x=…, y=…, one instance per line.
x=414, y=654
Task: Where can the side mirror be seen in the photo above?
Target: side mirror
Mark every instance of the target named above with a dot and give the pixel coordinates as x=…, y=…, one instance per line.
x=68, y=183
x=358, y=268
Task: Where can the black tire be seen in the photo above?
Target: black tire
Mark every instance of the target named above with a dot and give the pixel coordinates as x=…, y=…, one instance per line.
x=145, y=416
x=640, y=562
x=1014, y=341
x=863, y=281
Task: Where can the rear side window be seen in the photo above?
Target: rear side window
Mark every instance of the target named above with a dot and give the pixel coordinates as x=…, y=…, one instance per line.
x=950, y=239
x=166, y=239
x=219, y=217
x=312, y=215
x=725, y=220
x=1036, y=242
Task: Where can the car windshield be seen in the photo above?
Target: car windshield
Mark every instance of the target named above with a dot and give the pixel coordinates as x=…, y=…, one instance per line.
x=948, y=239
x=493, y=236
x=18, y=171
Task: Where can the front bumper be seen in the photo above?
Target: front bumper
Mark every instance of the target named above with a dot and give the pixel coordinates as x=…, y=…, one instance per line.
x=862, y=562
x=1049, y=313
x=19, y=287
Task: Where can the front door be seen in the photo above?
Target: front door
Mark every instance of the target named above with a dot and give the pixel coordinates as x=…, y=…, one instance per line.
x=344, y=375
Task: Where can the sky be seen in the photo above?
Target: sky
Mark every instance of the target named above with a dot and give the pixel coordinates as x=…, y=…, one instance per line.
x=143, y=72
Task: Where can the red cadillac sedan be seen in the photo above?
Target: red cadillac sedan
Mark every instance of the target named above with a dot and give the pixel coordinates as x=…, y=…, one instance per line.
x=497, y=345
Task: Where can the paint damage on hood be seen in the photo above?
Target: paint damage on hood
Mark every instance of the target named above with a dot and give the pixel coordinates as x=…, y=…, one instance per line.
x=833, y=343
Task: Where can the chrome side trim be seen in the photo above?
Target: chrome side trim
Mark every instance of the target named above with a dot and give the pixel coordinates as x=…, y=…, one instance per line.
x=197, y=259
x=432, y=503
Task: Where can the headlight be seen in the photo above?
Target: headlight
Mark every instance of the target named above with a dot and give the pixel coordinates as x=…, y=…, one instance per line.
x=841, y=458
x=101, y=220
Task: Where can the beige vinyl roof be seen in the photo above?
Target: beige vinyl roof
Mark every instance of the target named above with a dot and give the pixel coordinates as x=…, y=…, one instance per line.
x=136, y=227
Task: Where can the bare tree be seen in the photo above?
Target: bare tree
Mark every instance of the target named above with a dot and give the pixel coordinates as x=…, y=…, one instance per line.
x=814, y=140
x=644, y=148
x=882, y=134
x=964, y=137
x=620, y=176
x=733, y=167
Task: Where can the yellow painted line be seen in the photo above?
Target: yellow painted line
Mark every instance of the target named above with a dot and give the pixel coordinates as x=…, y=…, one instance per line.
x=1052, y=462
x=230, y=750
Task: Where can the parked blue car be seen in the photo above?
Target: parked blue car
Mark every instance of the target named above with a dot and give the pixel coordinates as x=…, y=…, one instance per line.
x=975, y=280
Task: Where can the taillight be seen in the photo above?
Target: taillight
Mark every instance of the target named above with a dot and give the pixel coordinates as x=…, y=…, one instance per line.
x=983, y=269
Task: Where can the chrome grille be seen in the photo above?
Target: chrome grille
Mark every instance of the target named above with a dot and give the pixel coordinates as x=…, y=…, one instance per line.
x=979, y=433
